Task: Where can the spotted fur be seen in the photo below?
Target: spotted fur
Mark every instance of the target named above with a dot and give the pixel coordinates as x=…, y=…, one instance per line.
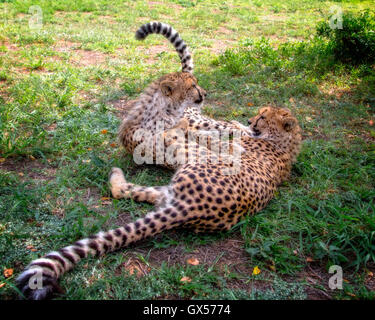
x=164, y=101
x=199, y=196
x=172, y=35
x=178, y=105
x=192, y=121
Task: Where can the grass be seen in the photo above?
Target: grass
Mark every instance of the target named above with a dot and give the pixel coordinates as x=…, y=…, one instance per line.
x=58, y=92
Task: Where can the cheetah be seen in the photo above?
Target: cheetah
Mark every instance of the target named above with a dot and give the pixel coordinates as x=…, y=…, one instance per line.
x=174, y=100
x=166, y=98
x=200, y=196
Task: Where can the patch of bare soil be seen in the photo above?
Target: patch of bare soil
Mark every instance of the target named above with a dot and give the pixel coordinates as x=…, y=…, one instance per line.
x=62, y=14
x=155, y=4
x=273, y=17
x=108, y=19
x=219, y=45
x=168, y=19
x=153, y=52
x=370, y=279
x=318, y=279
x=224, y=30
x=229, y=256
x=4, y=94
x=29, y=168
x=66, y=46
x=122, y=106
x=338, y=93
x=9, y=47
x=80, y=57
x=87, y=58
x=368, y=137
x=229, y=253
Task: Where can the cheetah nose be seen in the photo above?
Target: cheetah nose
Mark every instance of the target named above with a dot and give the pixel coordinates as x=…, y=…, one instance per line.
x=249, y=122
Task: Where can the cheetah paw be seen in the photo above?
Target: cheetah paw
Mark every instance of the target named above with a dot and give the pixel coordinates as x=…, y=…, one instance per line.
x=116, y=183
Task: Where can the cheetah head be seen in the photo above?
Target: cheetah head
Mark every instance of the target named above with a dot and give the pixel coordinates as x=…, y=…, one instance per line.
x=182, y=90
x=273, y=124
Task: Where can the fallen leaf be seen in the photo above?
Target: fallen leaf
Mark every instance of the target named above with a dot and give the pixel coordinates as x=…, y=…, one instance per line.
x=134, y=270
x=104, y=131
x=351, y=294
x=308, y=259
x=8, y=273
x=256, y=270
x=89, y=149
x=250, y=104
x=185, y=279
x=193, y=261
x=134, y=266
x=113, y=145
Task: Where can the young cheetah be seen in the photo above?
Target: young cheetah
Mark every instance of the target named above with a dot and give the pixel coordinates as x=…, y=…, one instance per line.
x=200, y=196
x=166, y=99
x=175, y=100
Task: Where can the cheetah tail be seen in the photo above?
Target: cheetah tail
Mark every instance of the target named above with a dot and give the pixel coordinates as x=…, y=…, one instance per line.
x=40, y=278
x=172, y=35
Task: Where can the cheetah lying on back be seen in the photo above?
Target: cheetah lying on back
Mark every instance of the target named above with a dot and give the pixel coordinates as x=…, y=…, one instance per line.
x=200, y=196
x=174, y=100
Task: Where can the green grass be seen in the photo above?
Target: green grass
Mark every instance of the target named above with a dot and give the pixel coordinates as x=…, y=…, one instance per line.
x=57, y=88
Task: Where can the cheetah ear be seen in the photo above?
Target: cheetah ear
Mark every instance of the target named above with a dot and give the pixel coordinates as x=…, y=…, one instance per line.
x=167, y=87
x=289, y=123
x=263, y=109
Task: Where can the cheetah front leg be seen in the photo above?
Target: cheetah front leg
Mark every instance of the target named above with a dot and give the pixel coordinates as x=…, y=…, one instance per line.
x=120, y=188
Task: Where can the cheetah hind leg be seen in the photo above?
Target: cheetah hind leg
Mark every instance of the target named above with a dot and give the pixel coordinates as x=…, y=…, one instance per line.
x=120, y=188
